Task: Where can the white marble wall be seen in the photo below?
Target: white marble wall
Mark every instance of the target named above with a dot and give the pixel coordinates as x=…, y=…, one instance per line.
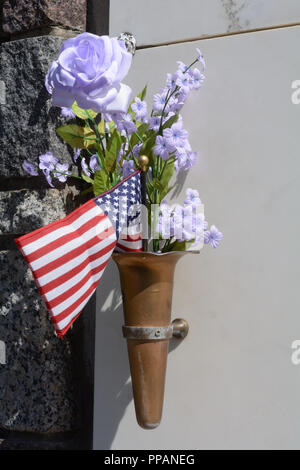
x=231, y=384
x=160, y=21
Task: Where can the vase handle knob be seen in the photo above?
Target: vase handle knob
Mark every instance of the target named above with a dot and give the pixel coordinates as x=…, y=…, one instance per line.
x=180, y=328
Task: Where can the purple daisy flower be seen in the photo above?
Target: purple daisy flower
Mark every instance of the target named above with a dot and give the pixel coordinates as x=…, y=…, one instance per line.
x=127, y=124
x=171, y=80
x=76, y=155
x=181, y=66
x=85, y=167
x=67, y=113
x=139, y=107
x=62, y=168
x=154, y=123
x=94, y=163
x=128, y=167
x=48, y=177
x=192, y=198
x=184, y=81
x=29, y=168
x=191, y=160
x=213, y=236
x=196, y=78
x=161, y=148
x=47, y=161
x=176, y=136
x=136, y=149
x=159, y=101
x=200, y=58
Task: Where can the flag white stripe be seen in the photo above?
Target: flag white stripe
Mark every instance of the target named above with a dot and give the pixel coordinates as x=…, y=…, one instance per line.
x=57, y=291
x=50, y=237
x=128, y=244
x=70, y=300
x=66, y=267
x=71, y=245
x=63, y=323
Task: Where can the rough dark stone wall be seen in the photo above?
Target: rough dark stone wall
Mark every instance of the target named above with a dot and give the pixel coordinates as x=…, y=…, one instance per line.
x=27, y=120
x=24, y=15
x=46, y=385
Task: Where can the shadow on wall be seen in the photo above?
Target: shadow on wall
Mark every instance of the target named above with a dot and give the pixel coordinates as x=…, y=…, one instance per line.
x=113, y=392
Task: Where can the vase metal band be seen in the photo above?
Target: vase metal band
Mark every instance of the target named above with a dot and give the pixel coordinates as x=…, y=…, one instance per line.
x=149, y=333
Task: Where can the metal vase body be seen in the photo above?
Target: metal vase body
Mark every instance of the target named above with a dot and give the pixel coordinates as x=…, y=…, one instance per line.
x=147, y=288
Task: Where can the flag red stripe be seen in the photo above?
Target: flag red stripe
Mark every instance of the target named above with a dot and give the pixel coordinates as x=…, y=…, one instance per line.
x=131, y=238
x=68, y=275
x=68, y=293
x=65, y=238
x=125, y=248
x=69, y=310
x=71, y=254
x=41, y=232
x=61, y=333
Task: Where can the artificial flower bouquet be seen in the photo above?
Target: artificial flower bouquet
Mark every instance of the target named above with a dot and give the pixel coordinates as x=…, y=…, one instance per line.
x=108, y=131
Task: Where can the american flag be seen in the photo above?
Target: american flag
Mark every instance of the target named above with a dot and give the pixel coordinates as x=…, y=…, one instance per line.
x=68, y=257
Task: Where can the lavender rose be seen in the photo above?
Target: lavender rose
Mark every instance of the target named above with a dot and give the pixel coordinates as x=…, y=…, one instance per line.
x=89, y=70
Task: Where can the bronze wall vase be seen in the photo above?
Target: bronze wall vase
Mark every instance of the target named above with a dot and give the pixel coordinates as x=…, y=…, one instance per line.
x=147, y=288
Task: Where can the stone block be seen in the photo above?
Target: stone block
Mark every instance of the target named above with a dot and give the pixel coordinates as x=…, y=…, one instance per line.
x=24, y=211
x=23, y=15
x=28, y=121
x=36, y=383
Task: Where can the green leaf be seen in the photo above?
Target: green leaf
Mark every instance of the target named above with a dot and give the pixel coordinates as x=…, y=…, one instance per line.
x=112, y=150
x=170, y=121
x=157, y=184
x=87, y=191
x=83, y=113
x=110, y=126
x=101, y=182
x=77, y=136
x=165, y=179
x=87, y=178
x=143, y=93
x=180, y=246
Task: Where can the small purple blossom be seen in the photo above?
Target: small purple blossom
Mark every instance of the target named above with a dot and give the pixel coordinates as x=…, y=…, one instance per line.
x=68, y=113
x=128, y=168
x=47, y=161
x=29, y=168
x=191, y=160
x=161, y=148
x=213, y=236
x=154, y=123
x=139, y=107
x=184, y=81
x=199, y=223
x=171, y=80
x=127, y=124
x=200, y=59
x=180, y=99
x=192, y=197
x=196, y=79
x=48, y=177
x=85, y=167
x=59, y=169
x=114, y=116
x=159, y=101
x=136, y=149
x=94, y=163
x=176, y=136
x=76, y=155
x=181, y=66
